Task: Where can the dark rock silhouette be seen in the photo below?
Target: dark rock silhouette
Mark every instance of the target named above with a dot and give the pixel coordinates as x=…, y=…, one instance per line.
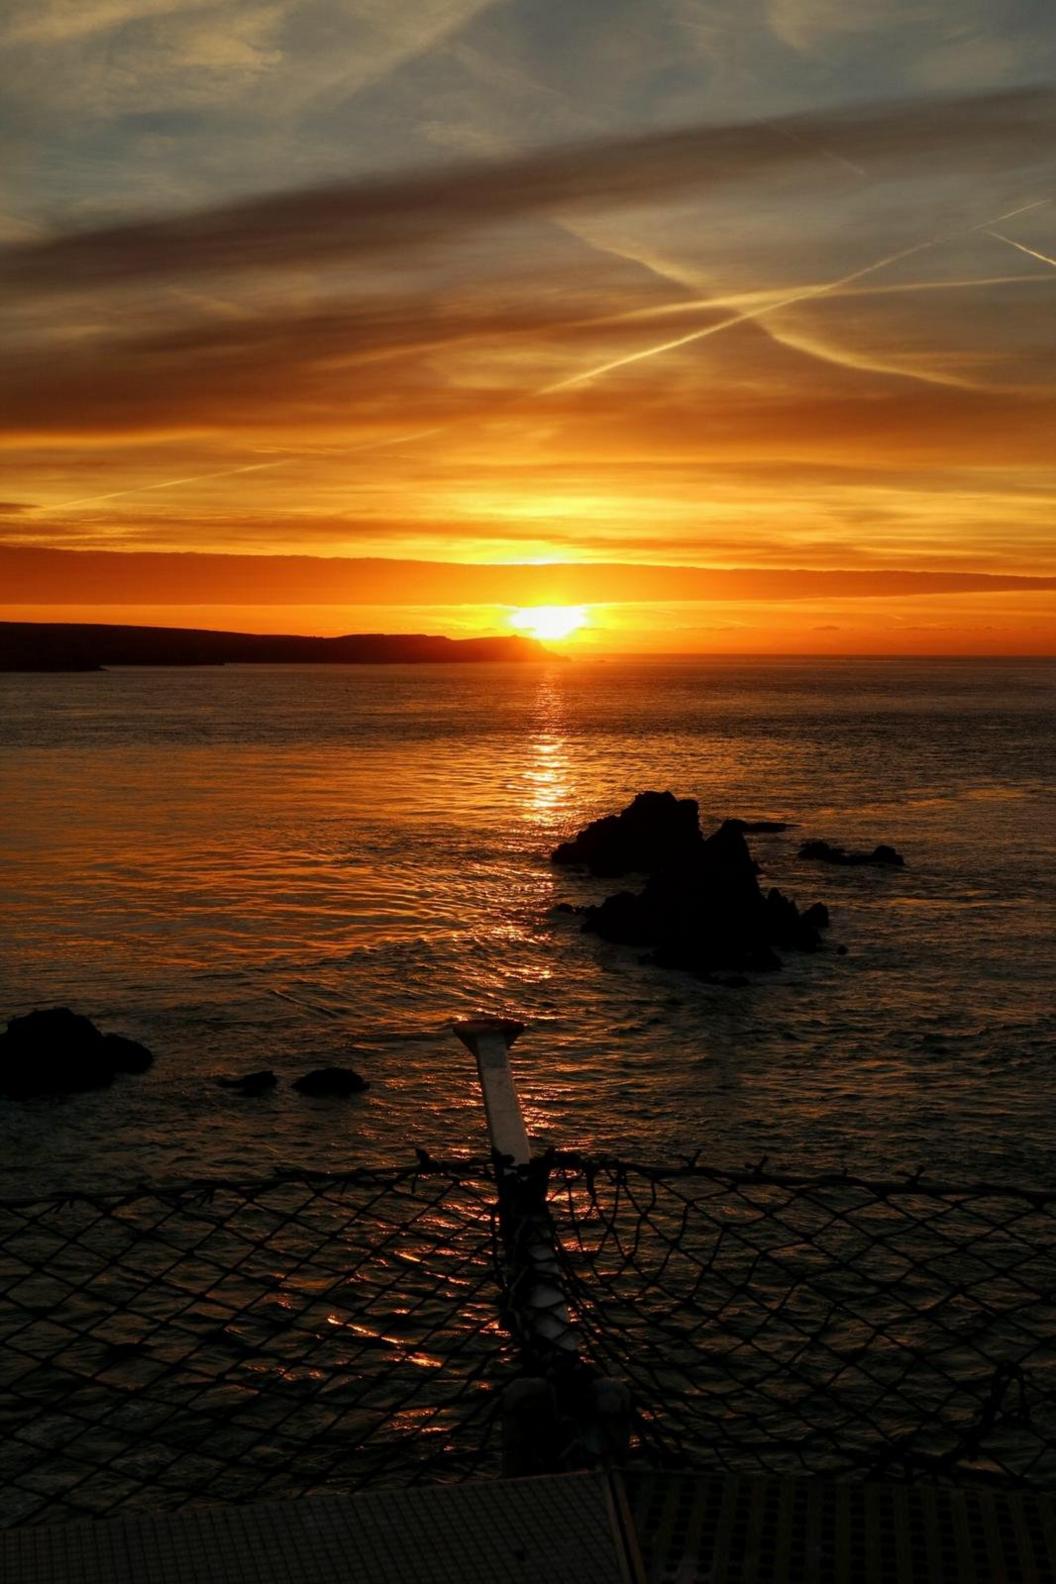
x=330, y=1081
x=654, y=830
x=126, y=1055
x=702, y=908
x=56, y=1051
x=758, y=827
x=826, y=852
x=254, y=1083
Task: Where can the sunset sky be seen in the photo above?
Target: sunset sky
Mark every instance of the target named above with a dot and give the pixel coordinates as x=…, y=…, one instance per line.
x=731, y=321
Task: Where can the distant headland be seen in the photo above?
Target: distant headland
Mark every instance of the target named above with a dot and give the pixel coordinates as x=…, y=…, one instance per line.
x=64, y=646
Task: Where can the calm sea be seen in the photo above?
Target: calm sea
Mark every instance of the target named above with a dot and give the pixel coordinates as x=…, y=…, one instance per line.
x=264, y=867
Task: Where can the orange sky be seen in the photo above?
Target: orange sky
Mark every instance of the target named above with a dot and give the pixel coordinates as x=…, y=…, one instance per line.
x=738, y=335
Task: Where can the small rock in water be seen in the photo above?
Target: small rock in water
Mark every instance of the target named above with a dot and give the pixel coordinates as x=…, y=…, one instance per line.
x=758, y=827
x=56, y=1051
x=881, y=856
x=254, y=1083
x=330, y=1081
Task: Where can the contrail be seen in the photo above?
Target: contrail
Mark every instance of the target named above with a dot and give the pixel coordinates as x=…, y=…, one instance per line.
x=141, y=489
x=815, y=147
x=1023, y=248
x=785, y=302
x=251, y=467
x=768, y=297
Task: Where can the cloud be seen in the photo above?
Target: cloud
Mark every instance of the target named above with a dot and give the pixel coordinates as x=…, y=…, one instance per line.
x=59, y=21
x=368, y=357
x=31, y=576
x=346, y=221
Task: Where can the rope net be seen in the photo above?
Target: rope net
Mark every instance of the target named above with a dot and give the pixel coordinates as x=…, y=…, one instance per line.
x=313, y=1332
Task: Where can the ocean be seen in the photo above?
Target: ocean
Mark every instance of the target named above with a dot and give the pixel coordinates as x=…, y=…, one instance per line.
x=288, y=867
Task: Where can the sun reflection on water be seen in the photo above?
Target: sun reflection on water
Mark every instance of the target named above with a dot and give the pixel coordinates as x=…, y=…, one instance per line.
x=548, y=768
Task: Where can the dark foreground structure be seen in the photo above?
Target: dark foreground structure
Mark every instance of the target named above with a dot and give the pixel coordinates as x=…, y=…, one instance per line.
x=750, y=1375
x=587, y=1528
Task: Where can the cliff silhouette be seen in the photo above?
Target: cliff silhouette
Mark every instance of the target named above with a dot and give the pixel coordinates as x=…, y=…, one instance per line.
x=62, y=646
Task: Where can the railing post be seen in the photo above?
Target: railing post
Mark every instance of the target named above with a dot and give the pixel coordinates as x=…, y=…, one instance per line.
x=560, y=1403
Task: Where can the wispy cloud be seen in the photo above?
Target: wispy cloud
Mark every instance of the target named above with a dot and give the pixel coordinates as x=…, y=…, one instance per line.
x=354, y=220
x=814, y=358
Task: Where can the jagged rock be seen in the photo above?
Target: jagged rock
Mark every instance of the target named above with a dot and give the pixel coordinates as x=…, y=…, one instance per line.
x=701, y=908
x=826, y=852
x=254, y=1083
x=786, y=926
x=655, y=830
x=330, y=1081
x=706, y=912
x=56, y=1051
x=758, y=827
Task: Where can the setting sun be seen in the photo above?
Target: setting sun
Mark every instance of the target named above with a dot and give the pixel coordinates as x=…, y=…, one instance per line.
x=549, y=621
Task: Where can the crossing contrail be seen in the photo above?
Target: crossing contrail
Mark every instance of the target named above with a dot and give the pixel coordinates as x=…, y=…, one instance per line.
x=749, y=314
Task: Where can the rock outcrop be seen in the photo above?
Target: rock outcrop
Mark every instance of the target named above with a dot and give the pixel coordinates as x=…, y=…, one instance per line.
x=826, y=852
x=56, y=1051
x=655, y=830
x=702, y=908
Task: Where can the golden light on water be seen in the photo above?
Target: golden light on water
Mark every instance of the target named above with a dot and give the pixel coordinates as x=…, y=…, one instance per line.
x=549, y=621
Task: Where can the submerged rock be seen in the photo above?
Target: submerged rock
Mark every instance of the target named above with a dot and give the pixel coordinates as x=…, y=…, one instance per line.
x=56, y=1051
x=254, y=1083
x=330, y=1081
x=826, y=852
x=654, y=830
x=758, y=827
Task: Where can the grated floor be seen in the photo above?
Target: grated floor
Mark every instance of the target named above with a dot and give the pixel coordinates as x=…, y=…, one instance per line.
x=535, y=1531
x=569, y=1529
x=760, y=1529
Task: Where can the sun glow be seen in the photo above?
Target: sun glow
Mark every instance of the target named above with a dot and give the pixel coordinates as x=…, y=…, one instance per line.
x=549, y=621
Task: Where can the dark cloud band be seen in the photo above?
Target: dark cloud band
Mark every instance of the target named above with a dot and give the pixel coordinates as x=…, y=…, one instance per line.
x=349, y=220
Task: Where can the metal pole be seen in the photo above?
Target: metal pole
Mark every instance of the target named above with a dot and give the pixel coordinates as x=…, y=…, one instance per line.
x=560, y=1414
x=490, y=1039
x=541, y=1312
